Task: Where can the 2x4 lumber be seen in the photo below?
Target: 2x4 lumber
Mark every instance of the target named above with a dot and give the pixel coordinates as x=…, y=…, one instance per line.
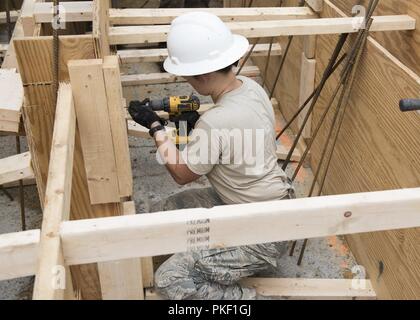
x=27, y=17
x=82, y=11
x=129, y=207
x=307, y=86
x=165, y=16
x=14, y=15
x=15, y=168
x=93, y=120
x=118, y=124
x=115, y=238
x=72, y=11
x=35, y=60
x=9, y=60
x=122, y=280
x=312, y=289
x=316, y=5
x=100, y=26
x=309, y=46
x=48, y=284
x=18, y=254
x=259, y=29
x=11, y=95
x=159, y=78
x=159, y=55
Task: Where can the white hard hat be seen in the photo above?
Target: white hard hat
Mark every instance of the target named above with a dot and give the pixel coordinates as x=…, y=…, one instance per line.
x=200, y=43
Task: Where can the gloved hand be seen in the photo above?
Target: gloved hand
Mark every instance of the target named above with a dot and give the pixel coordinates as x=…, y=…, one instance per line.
x=142, y=114
x=190, y=117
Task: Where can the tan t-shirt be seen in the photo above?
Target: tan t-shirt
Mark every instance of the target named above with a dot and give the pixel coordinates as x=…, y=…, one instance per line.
x=234, y=145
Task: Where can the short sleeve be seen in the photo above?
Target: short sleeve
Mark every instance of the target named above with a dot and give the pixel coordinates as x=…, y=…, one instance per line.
x=202, y=152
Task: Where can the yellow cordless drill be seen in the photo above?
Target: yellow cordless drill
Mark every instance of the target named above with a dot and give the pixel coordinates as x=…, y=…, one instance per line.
x=182, y=110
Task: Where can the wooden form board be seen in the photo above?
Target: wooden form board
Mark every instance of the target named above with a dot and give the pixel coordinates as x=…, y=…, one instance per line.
x=93, y=120
x=377, y=149
x=11, y=100
x=18, y=254
x=57, y=202
x=82, y=11
x=160, y=78
x=158, y=55
x=256, y=29
x=123, y=280
x=100, y=26
x=72, y=11
x=27, y=17
x=9, y=60
x=303, y=289
x=165, y=16
x=313, y=289
x=35, y=59
x=16, y=168
x=144, y=235
x=307, y=87
x=112, y=81
x=315, y=5
x=404, y=45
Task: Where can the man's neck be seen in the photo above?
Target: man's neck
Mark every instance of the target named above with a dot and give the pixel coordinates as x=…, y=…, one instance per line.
x=231, y=83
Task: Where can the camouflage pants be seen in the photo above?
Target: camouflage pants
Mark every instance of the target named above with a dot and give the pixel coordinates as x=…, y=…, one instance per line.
x=214, y=274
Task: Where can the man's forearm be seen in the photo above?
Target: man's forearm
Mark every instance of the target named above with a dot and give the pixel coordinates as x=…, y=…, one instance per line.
x=172, y=158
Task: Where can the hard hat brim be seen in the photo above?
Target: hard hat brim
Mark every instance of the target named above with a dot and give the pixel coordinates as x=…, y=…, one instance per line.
x=237, y=51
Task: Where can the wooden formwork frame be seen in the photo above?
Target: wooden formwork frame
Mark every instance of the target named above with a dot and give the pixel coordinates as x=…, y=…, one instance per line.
x=105, y=240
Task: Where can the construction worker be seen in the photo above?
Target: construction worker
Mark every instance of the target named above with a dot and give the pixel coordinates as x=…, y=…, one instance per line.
x=203, y=50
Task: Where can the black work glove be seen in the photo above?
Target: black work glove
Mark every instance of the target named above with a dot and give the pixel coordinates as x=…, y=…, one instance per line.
x=143, y=114
x=190, y=118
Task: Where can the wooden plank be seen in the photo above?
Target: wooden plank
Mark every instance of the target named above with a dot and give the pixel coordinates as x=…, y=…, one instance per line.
x=10, y=61
x=134, y=16
x=258, y=29
x=312, y=289
x=57, y=201
x=72, y=47
x=100, y=26
x=307, y=87
x=122, y=280
x=14, y=15
x=378, y=148
x=316, y=5
x=27, y=17
x=159, y=55
x=18, y=254
x=38, y=117
x=146, y=235
x=118, y=124
x=74, y=11
x=11, y=95
x=309, y=46
x=93, y=120
x=9, y=126
x=160, y=78
x=405, y=46
x=15, y=168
